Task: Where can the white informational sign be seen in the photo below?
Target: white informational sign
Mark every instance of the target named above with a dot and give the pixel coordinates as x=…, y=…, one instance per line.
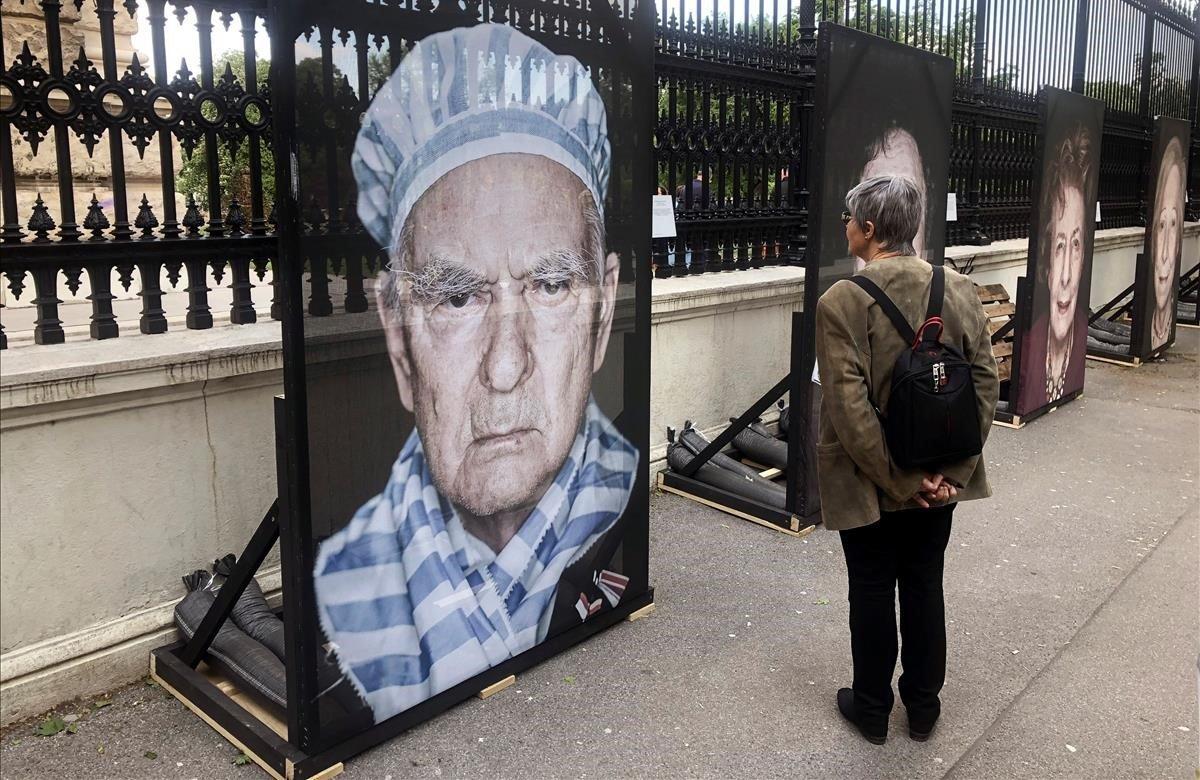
x=662, y=221
x=951, y=207
x=1098, y=212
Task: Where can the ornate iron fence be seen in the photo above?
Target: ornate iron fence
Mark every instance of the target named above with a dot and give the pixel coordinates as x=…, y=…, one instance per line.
x=734, y=110
x=51, y=95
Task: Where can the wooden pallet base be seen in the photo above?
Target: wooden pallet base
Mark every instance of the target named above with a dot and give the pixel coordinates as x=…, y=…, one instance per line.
x=794, y=524
x=251, y=714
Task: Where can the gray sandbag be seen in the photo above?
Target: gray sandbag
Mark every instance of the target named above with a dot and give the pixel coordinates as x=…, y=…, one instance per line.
x=251, y=613
x=761, y=490
x=232, y=648
x=1104, y=346
x=757, y=444
x=1106, y=337
x=1115, y=328
x=696, y=442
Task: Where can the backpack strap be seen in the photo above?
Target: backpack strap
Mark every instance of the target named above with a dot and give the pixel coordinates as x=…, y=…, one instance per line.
x=933, y=316
x=889, y=308
x=937, y=292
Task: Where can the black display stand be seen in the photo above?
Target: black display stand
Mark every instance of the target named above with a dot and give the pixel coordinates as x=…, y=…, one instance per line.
x=801, y=512
x=1189, y=292
x=296, y=744
x=1123, y=306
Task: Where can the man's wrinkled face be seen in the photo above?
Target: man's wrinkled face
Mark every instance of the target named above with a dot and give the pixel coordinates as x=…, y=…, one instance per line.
x=1066, y=261
x=899, y=155
x=504, y=317
x=1167, y=225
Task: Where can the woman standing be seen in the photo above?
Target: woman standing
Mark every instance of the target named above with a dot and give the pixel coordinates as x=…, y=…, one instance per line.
x=894, y=522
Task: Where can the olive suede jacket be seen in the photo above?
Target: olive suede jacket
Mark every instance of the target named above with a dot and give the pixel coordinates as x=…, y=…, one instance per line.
x=857, y=346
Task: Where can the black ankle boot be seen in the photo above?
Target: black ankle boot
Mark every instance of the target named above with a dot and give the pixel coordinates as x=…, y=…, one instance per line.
x=845, y=703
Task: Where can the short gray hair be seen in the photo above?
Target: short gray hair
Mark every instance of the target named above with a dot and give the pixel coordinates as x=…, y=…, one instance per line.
x=893, y=205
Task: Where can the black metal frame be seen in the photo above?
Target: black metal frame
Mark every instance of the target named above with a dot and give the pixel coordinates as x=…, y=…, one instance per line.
x=306, y=242
x=1026, y=286
x=801, y=509
x=1189, y=288
x=1123, y=305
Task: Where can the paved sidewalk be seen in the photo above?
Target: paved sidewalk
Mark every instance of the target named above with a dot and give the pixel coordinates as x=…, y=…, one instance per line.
x=1072, y=601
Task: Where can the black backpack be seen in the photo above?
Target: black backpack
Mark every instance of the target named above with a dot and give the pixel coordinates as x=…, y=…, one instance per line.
x=932, y=417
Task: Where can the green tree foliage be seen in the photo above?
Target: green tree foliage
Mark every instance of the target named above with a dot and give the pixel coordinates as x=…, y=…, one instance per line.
x=1168, y=92
x=235, y=182
x=192, y=176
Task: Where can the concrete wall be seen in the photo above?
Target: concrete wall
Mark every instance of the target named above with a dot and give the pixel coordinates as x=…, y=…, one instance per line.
x=127, y=463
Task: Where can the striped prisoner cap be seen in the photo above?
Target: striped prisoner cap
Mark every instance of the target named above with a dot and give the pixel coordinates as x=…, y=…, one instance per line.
x=469, y=93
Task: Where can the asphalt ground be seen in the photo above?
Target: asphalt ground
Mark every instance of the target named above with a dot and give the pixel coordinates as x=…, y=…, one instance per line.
x=1072, y=606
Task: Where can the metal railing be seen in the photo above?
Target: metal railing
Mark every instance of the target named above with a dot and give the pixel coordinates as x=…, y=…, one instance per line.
x=735, y=90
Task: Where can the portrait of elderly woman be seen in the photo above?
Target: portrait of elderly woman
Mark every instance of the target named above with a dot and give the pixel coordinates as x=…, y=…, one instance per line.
x=888, y=114
x=1053, y=351
x=895, y=152
x=1165, y=228
x=495, y=528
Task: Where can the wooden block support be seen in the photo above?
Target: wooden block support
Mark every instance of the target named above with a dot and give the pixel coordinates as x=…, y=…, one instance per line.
x=991, y=292
x=253, y=709
x=496, y=687
x=641, y=613
x=1132, y=362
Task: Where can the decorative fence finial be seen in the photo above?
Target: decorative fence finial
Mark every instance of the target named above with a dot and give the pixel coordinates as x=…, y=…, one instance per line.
x=146, y=221
x=40, y=222
x=192, y=220
x=95, y=220
x=234, y=218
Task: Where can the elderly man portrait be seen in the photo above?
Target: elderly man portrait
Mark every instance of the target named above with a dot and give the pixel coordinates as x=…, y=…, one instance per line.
x=497, y=304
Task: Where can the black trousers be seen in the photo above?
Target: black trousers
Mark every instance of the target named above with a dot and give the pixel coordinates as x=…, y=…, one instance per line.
x=906, y=548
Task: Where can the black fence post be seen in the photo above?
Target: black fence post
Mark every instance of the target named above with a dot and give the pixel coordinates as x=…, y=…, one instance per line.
x=1147, y=60
x=1193, y=205
x=976, y=236
x=1079, y=63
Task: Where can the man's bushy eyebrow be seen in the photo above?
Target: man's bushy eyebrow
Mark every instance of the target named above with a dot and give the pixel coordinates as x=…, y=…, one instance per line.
x=441, y=279
x=563, y=265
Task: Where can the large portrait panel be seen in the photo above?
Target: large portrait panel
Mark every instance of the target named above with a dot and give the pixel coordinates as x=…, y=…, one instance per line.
x=883, y=108
x=477, y=430
x=1053, y=345
x=1155, y=309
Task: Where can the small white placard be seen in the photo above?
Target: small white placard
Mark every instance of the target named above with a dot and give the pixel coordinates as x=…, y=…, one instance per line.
x=1098, y=212
x=662, y=222
x=816, y=377
x=951, y=207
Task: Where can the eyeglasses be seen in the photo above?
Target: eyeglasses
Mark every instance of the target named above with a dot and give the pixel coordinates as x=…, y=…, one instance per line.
x=846, y=217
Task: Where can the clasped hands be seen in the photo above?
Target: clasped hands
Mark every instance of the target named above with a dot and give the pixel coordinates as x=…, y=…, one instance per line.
x=935, y=490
